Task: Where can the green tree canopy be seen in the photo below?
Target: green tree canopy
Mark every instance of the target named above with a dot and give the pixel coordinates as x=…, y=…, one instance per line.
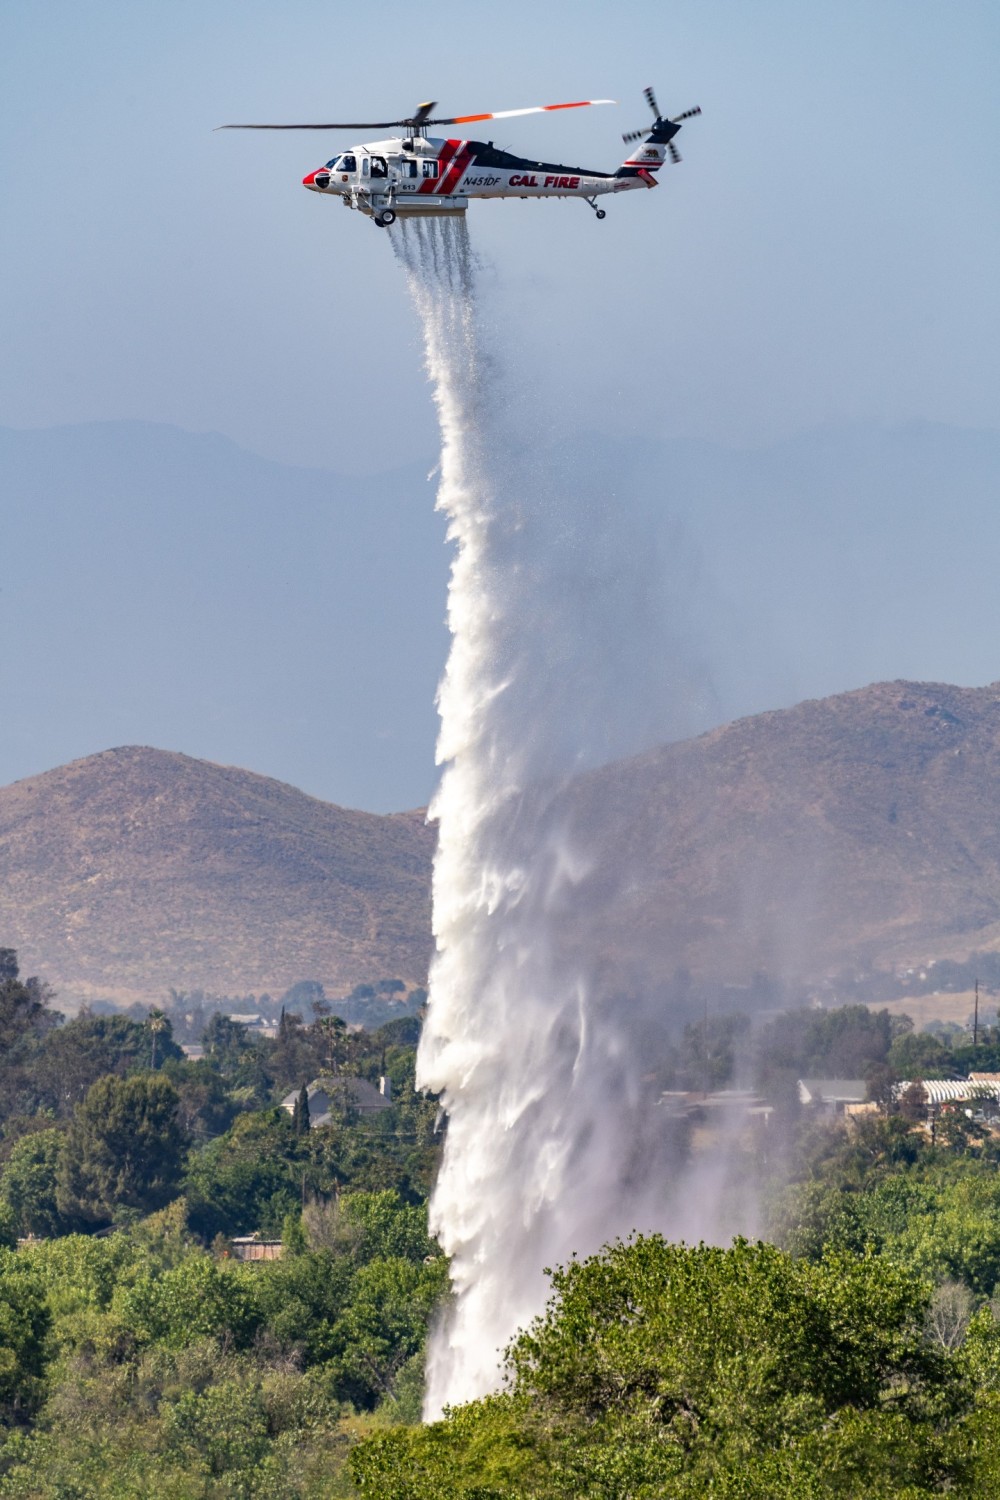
x=124, y=1150
x=660, y=1370
x=24, y=1323
x=28, y=1183
x=73, y=1058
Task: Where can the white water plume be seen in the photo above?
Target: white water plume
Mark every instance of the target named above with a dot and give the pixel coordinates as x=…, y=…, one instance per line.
x=552, y=1147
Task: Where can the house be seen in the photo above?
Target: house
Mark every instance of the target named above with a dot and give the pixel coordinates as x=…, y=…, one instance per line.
x=834, y=1096
x=252, y=1247
x=330, y=1096
x=254, y=1022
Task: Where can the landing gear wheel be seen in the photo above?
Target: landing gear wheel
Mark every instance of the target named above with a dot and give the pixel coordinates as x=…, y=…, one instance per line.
x=383, y=220
x=601, y=213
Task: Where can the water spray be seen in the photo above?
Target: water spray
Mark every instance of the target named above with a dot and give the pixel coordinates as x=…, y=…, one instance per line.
x=509, y=1037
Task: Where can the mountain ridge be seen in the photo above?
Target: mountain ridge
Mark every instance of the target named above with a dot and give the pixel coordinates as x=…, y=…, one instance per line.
x=224, y=858
x=855, y=831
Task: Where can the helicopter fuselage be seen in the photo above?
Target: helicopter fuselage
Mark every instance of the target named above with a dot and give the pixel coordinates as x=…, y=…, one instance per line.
x=422, y=175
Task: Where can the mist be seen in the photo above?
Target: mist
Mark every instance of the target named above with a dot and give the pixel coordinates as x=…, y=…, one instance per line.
x=564, y=654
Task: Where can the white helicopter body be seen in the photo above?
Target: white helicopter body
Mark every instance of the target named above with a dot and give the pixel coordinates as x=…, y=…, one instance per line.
x=416, y=174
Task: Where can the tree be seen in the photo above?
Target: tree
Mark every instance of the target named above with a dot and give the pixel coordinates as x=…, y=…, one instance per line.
x=24, y=1006
x=226, y=1041
x=205, y=1109
x=336, y=1041
x=662, y=1370
x=85, y=1049
x=248, y=1179
x=383, y=1325
x=24, y=1323
x=157, y=1025
x=917, y=1054
x=28, y=1183
x=306, y=993
x=124, y=1150
x=300, y=1112
x=950, y=1313
x=195, y=1299
x=913, y=1103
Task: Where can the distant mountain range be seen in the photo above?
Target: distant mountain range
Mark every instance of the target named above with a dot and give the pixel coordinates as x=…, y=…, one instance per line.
x=856, y=830
x=853, y=831
x=136, y=870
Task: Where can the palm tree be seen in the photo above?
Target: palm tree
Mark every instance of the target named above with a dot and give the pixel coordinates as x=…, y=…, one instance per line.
x=157, y=1024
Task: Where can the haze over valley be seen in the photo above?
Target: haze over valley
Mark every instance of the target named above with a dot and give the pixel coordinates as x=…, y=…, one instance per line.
x=170, y=588
x=855, y=833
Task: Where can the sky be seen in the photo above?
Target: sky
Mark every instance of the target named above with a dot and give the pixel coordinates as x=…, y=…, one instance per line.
x=825, y=254
x=827, y=250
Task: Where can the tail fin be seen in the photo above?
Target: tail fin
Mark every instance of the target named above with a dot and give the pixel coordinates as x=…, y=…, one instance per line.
x=647, y=156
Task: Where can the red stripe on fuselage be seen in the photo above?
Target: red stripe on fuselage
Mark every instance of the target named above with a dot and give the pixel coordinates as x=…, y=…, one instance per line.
x=457, y=171
x=433, y=184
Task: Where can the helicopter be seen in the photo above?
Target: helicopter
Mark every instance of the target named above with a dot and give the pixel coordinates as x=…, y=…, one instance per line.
x=416, y=174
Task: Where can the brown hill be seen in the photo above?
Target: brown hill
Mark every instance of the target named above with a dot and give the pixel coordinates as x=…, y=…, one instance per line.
x=853, y=830
x=135, y=870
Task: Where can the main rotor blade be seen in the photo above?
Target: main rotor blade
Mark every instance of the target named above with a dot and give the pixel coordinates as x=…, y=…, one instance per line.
x=508, y=114
x=422, y=118
x=339, y=125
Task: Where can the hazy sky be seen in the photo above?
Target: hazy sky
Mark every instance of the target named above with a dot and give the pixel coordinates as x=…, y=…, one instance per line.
x=828, y=249
x=826, y=253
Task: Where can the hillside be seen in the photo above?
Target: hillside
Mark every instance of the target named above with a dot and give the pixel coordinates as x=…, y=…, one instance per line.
x=136, y=870
x=862, y=828
x=848, y=831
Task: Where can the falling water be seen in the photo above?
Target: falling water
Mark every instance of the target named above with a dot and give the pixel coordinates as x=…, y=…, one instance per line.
x=551, y=1148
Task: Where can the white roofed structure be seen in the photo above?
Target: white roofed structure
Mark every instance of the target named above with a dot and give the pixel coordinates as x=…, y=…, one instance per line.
x=951, y=1090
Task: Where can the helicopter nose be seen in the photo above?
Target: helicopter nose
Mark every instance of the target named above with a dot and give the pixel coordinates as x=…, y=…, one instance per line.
x=318, y=181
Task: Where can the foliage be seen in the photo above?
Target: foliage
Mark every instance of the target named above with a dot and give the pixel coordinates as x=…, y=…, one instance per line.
x=28, y=1183
x=248, y=1179
x=300, y=1114
x=658, y=1369
x=141, y=1364
x=24, y=1321
x=204, y=1108
x=124, y=1150
x=72, y=1058
x=196, y=1299
x=169, y=1373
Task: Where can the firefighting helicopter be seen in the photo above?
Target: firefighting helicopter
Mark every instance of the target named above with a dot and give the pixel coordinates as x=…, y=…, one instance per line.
x=416, y=174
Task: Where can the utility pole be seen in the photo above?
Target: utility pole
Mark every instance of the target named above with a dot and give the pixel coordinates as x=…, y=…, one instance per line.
x=975, y=1020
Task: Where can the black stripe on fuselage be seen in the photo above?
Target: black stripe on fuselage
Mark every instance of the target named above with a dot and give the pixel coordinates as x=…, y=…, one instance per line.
x=487, y=155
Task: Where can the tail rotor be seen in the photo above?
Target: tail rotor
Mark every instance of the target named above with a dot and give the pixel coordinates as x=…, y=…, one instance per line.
x=662, y=126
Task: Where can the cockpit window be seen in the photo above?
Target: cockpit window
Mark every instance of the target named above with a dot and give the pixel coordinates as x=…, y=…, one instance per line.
x=341, y=164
